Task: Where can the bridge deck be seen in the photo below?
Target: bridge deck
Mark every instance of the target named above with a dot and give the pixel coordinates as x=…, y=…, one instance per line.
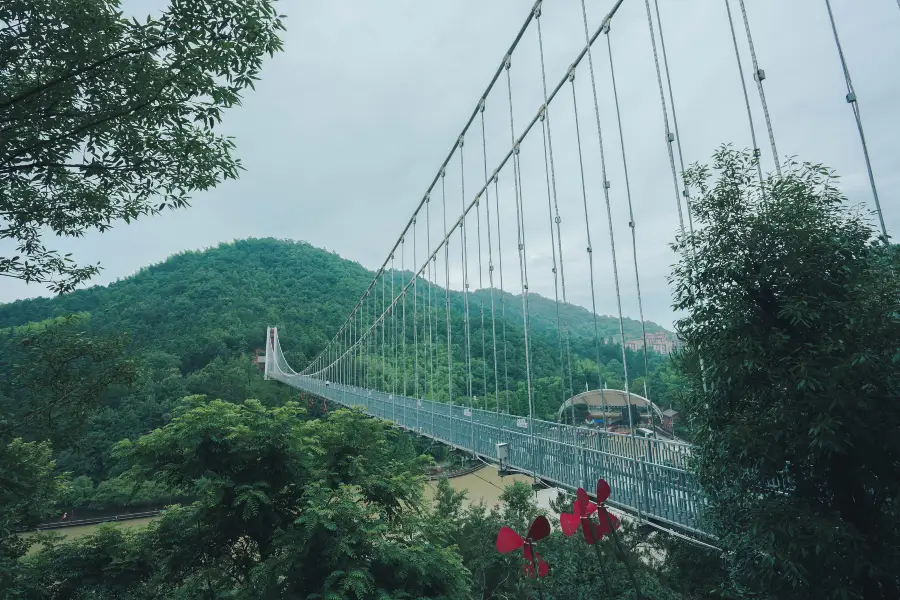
x=648, y=477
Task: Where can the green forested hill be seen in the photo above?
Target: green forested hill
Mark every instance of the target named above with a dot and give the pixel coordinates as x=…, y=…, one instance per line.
x=193, y=321
x=200, y=305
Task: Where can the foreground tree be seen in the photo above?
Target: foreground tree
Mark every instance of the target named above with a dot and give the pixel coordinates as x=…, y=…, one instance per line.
x=27, y=490
x=270, y=519
x=52, y=375
x=794, y=314
x=105, y=118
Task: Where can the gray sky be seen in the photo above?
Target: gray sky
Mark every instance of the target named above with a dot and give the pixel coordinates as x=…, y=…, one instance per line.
x=349, y=125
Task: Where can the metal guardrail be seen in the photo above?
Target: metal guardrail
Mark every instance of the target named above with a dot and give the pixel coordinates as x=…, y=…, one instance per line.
x=96, y=520
x=648, y=476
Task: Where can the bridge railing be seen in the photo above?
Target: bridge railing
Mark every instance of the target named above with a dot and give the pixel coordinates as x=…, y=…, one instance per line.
x=649, y=476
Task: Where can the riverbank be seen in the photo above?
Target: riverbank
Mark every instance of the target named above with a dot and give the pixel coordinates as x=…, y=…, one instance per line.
x=77, y=531
x=484, y=483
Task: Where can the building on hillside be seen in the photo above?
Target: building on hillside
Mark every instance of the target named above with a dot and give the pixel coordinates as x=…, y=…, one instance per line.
x=658, y=342
x=259, y=358
x=669, y=418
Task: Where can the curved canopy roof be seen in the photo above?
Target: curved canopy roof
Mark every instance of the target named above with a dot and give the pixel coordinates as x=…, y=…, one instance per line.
x=607, y=398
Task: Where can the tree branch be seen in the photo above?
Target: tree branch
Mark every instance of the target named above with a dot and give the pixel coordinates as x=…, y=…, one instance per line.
x=41, y=165
x=90, y=125
x=116, y=55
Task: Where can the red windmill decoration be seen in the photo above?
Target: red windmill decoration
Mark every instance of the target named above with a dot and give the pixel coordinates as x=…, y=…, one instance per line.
x=508, y=540
x=583, y=508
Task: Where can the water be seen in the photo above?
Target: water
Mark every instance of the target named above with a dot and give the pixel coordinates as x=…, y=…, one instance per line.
x=486, y=485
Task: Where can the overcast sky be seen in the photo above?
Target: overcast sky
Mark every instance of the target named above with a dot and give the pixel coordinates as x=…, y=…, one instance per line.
x=349, y=125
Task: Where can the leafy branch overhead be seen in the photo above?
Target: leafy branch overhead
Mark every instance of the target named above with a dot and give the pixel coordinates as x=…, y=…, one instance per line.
x=106, y=118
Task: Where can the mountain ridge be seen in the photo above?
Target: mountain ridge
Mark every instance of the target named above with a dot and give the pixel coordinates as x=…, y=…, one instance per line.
x=542, y=310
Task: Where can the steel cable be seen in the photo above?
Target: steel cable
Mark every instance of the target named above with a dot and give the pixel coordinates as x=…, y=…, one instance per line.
x=523, y=268
x=487, y=208
x=737, y=55
x=662, y=46
x=565, y=359
x=502, y=291
x=464, y=256
x=759, y=75
x=447, y=302
x=854, y=103
x=612, y=242
x=590, y=250
x=416, y=314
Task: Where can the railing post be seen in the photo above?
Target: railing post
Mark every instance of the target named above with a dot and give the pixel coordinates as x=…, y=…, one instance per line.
x=582, y=462
x=642, y=487
x=472, y=428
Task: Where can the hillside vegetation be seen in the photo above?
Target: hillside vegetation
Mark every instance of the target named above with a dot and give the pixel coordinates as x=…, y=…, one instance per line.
x=191, y=323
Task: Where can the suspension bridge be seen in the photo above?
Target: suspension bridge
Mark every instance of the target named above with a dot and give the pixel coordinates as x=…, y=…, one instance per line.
x=438, y=353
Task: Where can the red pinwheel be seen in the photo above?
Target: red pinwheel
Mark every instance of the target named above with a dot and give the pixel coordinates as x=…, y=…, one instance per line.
x=508, y=540
x=594, y=532
x=582, y=510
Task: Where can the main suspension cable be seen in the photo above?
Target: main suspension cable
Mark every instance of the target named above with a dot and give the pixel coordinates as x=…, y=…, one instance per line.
x=320, y=360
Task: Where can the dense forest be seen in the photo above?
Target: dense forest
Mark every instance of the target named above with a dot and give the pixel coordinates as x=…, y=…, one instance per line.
x=190, y=324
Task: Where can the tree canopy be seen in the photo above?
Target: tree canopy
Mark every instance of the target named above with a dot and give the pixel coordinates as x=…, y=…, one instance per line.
x=793, y=356
x=274, y=516
x=106, y=118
